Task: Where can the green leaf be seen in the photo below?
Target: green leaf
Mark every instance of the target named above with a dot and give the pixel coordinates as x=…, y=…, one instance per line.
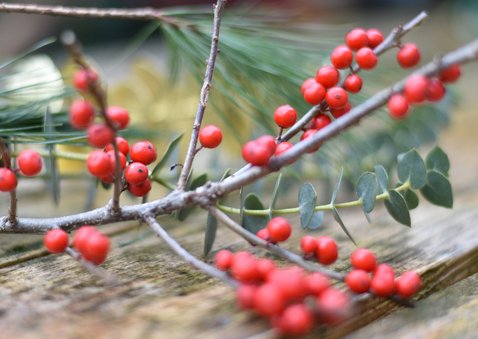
x=382, y=177
x=397, y=207
x=438, y=189
x=51, y=164
x=226, y=173
x=191, y=186
x=316, y=221
x=253, y=223
x=210, y=234
x=307, y=202
x=337, y=186
x=411, y=199
x=274, y=194
x=438, y=160
x=412, y=168
x=366, y=189
x=337, y=218
x=167, y=154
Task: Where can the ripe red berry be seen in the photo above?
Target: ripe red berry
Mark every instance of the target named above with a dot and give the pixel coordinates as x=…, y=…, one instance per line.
x=397, y=106
x=244, y=268
x=99, y=135
x=385, y=269
x=408, y=55
x=307, y=134
x=268, y=300
x=290, y=281
x=285, y=116
x=83, y=77
x=136, y=173
x=121, y=159
x=375, y=37
x=245, y=296
x=265, y=267
x=415, y=89
x=450, y=74
x=363, y=259
x=296, y=319
x=436, y=90
x=140, y=190
x=98, y=163
x=353, y=83
x=282, y=147
x=321, y=121
x=358, y=281
x=56, y=241
x=29, y=162
x=317, y=283
x=210, y=136
x=336, y=97
x=118, y=116
x=356, y=39
x=366, y=58
x=314, y=93
x=307, y=83
x=383, y=281
x=327, y=76
x=96, y=248
x=279, y=229
x=327, y=250
x=82, y=114
x=338, y=112
x=8, y=180
x=223, y=260
x=333, y=305
x=408, y=284
x=341, y=57
x=144, y=152
x=263, y=234
x=81, y=237
x=121, y=143
x=255, y=153
x=269, y=141
x=308, y=244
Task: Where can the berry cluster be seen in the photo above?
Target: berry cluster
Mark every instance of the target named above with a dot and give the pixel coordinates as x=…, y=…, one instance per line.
x=29, y=164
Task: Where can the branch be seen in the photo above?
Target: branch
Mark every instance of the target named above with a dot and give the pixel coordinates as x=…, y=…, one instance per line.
x=203, y=97
x=186, y=256
x=12, y=212
x=92, y=12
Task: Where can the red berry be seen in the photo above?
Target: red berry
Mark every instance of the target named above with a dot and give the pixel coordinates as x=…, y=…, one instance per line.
x=408, y=284
x=356, y=38
x=144, y=152
x=383, y=281
x=140, y=190
x=279, y=229
x=290, y=281
x=314, y=93
x=265, y=267
x=374, y=37
x=363, y=259
x=353, y=83
x=285, y=116
x=98, y=163
x=317, y=283
x=29, y=162
x=385, y=269
x=263, y=234
x=307, y=83
x=436, y=90
x=255, y=153
x=99, y=135
x=307, y=134
x=333, y=305
x=96, y=248
x=83, y=77
x=56, y=241
x=320, y=121
x=327, y=76
x=136, y=173
x=245, y=296
x=415, y=89
x=244, y=268
x=327, y=250
x=336, y=97
x=268, y=300
x=81, y=237
x=82, y=114
x=269, y=141
x=341, y=57
x=308, y=244
x=282, y=147
x=366, y=58
x=118, y=116
x=121, y=159
x=296, y=320
x=450, y=74
x=223, y=260
x=397, y=106
x=121, y=143
x=210, y=136
x=338, y=112
x=358, y=281
x=408, y=55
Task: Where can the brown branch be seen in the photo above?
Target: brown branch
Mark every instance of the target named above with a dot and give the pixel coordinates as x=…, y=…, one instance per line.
x=203, y=99
x=186, y=256
x=146, y=13
x=12, y=212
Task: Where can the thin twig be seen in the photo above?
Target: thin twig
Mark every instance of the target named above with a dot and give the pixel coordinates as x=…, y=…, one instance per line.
x=107, y=277
x=203, y=97
x=12, y=212
x=186, y=256
x=146, y=13
x=275, y=249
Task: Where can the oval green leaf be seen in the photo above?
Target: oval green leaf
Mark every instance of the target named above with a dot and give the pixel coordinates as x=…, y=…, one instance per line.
x=382, y=178
x=366, y=190
x=438, y=189
x=397, y=207
x=316, y=221
x=307, y=202
x=337, y=218
x=167, y=154
x=411, y=199
x=253, y=223
x=438, y=160
x=411, y=167
x=274, y=194
x=210, y=234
